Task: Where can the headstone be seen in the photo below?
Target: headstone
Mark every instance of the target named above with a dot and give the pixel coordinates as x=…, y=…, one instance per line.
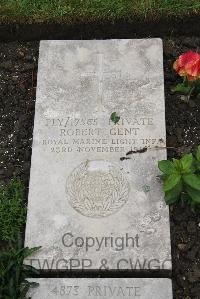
x=102, y=288
x=95, y=198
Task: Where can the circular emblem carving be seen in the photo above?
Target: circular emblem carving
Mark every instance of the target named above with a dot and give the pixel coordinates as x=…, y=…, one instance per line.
x=97, y=188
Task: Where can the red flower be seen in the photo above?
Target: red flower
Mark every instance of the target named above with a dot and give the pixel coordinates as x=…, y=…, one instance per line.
x=188, y=65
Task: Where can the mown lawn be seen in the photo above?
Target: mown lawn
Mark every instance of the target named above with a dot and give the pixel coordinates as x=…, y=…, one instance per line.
x=95, y=10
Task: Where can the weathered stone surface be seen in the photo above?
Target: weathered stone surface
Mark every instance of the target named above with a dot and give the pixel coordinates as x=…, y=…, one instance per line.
x=95, y=199
x=102, y=288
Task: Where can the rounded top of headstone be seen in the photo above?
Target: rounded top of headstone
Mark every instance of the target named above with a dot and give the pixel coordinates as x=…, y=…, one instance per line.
x=97, y=188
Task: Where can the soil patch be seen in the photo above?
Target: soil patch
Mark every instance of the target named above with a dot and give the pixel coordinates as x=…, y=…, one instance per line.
x=25, y=29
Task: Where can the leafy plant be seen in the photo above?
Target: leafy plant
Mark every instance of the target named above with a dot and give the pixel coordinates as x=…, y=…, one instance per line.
x=182, y=179
x=13, y=273
x=115, y=118
x=12, y=209
x=188, y=88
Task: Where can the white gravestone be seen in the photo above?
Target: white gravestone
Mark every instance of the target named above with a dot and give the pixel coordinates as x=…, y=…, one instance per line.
x=95, y=198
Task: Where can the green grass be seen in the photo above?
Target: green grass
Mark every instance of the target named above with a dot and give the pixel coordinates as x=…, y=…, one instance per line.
x=12, y=210
x=13, y=271
x=94, y=10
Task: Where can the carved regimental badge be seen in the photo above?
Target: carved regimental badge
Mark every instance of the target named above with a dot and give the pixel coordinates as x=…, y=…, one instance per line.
x=97, y=188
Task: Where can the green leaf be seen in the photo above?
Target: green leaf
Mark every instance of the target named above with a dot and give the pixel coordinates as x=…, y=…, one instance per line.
x=29, y=251
x=197, y=87
x=177, y=164
x=30, y=269
x=194, y=194
x=13, y=273
x=198, y=154
x=24, y=290
x=197, y=165
x=34, y=284
x=182, y=88
x=167, y=167
x=171, y=181
x=186, y=162
x=185, y=197
x=173, y=195
x=162, y=176
x=192, y=180
x=114, y=117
